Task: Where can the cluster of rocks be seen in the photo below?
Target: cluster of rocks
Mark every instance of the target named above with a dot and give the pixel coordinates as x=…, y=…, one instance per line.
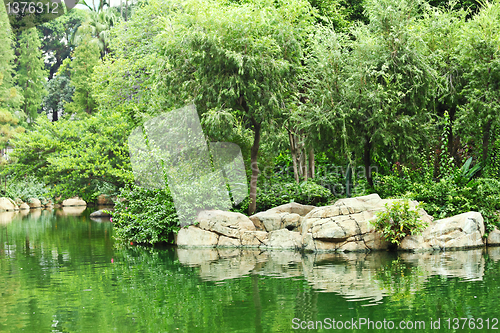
x=8, y=205
x=343, y=226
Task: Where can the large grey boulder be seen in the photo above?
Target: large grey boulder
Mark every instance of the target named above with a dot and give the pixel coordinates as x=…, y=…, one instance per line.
x=287, y=216
x=101, y=213
x=349, y=206
x=222, y=230
x=7, y=204
x=229, y=224
x=24, y=206
x=457, y=232
x=284, y=239
x=76, y=201
x=266, y=221
x=195, y=237
x=34, y=203
x=346, y=225
x=292, y=208
x=493, y=237
x=254, y=238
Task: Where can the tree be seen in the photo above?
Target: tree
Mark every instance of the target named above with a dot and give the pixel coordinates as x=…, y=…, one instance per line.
x=9, y=95
x=75, y=157
x=239, y=57
x=124, y=80
x=478, y=55
x=232, y=59
x=85, y=58
x=59, y=38
x=98, y=25
x=31, y=73
x=441, y=30
x=59, y=92
x=8, y=128
x=341, y=13
x=370, y=94
x=100, y=5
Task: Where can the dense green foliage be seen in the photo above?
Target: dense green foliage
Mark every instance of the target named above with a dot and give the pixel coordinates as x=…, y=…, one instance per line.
x=59, y=39
x=86, y=57
x=333, y=85
x=279, y=193
x=31, y=73
x=75, y=157
x=447, y=197
x=10, y=97
x=26, y=188
x=398, y=221
x=145, y=216
x=59, y=92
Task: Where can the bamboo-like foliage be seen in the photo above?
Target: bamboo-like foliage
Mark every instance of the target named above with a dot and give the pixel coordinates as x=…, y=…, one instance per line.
x=479, y=56
x=370, y=94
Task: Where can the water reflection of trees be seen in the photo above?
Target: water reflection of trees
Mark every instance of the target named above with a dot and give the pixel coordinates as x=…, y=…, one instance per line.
x=66, y=270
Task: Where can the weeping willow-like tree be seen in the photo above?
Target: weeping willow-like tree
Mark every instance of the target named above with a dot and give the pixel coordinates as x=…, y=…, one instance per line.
x=242, y=58
x=479, y=57
x=370, y=95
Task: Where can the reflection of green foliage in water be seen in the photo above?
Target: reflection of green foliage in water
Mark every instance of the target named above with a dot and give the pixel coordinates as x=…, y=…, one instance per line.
x=401, y=280
x=58, y=271
x=65, y=277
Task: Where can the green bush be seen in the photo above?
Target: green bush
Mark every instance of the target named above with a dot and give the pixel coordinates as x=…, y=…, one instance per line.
x=399, y=221
x=145, y=216
x=29, y=187
x=448, y=196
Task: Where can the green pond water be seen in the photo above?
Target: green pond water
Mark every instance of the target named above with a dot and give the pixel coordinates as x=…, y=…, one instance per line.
x=64, y=273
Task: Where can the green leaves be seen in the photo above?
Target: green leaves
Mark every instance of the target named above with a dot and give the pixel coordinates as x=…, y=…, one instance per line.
x=374, y=89
x=145, y=216
x=86, y=57
x=75, y=157
x=399, y=221
x=31, y=73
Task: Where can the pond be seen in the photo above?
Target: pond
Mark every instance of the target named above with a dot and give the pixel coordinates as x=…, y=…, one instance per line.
x=63, y=272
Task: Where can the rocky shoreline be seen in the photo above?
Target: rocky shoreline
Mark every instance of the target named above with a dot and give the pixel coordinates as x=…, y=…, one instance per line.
x=342, y=227
x=9, y=205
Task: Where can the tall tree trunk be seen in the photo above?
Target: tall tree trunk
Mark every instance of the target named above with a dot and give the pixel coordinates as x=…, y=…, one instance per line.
x=367, y=159
x=254, y=165
x=54, y=115
x=293, y=151
x=311, y=162
x=303, y=158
